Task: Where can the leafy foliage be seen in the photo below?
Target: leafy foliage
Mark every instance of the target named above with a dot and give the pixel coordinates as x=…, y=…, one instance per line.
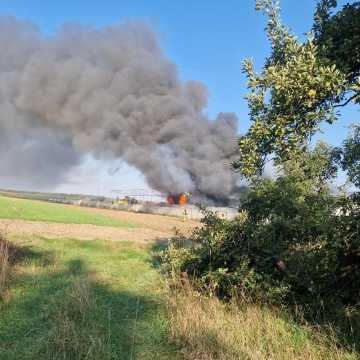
x=292, y=241
x=295, y=241
x=349, y=156
x=295, y=92
x=338, y=37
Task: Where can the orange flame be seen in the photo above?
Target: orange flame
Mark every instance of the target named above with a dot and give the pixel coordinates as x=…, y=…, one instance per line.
x=177, y=199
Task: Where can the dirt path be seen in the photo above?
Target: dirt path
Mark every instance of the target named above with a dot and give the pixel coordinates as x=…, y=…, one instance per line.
x=152, y=227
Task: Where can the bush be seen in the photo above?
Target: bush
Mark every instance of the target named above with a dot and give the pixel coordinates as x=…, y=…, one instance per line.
x=293, y=241
x=218, y=258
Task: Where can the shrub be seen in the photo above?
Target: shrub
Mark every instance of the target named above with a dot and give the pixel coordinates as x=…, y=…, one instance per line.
x=292, y=242
x=219, y=259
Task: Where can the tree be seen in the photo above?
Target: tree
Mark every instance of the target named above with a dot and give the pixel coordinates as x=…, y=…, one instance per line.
x=348, y=156
x=338, y=39
x=295, y=92
x=294, y=241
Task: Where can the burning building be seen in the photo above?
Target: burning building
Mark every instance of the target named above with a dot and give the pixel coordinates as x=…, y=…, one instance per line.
x=178, y=199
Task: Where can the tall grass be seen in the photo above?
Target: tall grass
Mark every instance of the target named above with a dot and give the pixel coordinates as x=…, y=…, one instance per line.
x=75, y=334
x=206, y=328
x=4, y=263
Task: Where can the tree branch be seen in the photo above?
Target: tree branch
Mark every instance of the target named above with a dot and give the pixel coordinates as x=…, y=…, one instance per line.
x=347, y=101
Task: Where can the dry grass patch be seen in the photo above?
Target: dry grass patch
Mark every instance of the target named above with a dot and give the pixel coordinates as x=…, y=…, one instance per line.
x=9, y=253
x=206, y=329
x=4, y=263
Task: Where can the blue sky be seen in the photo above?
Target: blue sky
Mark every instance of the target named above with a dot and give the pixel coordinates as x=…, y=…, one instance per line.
x=206, y=39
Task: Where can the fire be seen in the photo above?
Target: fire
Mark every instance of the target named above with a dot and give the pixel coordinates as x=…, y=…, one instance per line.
x=178, y=199
x=183, y=199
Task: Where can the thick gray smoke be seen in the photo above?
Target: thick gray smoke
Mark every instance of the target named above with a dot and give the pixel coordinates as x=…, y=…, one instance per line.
x=112, y=93
x=35, y=160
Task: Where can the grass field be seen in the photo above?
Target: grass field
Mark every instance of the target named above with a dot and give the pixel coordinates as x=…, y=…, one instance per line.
x=70, y=299
x=11, y=208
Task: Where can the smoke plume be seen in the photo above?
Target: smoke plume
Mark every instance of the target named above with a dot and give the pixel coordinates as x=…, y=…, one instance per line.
x=109, y=92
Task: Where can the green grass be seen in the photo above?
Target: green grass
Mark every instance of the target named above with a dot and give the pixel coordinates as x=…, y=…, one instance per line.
x=70, y=299
x=99, y=300
x=11, y=208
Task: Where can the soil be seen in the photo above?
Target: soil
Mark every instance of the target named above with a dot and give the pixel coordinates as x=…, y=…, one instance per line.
x=151, y=227
x=161, y=223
